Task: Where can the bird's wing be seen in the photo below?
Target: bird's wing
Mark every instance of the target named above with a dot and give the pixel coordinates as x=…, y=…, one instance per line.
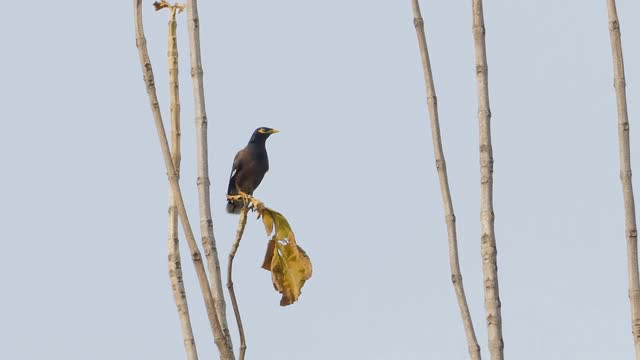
x=237, y=165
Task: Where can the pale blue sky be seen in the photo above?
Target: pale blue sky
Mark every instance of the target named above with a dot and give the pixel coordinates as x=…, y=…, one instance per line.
x=84, y=191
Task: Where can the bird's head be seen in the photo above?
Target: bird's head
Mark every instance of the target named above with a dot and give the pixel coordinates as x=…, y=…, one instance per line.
x=261, y=134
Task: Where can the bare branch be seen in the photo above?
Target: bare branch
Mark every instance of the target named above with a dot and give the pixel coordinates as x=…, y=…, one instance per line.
x=456, y=276
x=242, y=222
x=147, y=70
x=631, y=231
x=488, y=247
x=204, y=200
x=175, y=267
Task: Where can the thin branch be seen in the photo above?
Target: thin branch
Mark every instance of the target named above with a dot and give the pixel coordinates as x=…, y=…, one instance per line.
x=174, y=90
x=204, y=201
x=456, y=276
x=234, y=248
x=631, y=231
x=487, y=216
x=147, y=70
x=175, y=267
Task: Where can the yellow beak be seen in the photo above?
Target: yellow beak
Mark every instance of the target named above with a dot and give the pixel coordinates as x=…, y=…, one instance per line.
x=273, y=131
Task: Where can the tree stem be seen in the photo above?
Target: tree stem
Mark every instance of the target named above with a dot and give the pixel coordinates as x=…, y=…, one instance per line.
x=488, y=240
x=203, y=183
x=147, y=70
x=242, y=222
x=631, y=231
x=175, y=267
x=456, y=277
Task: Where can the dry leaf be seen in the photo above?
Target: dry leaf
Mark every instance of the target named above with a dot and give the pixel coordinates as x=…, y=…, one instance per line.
x=289, y=264
x=268, y=256
x=267, y=220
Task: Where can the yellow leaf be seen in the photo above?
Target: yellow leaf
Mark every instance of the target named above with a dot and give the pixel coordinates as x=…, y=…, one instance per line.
x=289, y=264
x=290, y=268
x=267, y=220
x=283, y=229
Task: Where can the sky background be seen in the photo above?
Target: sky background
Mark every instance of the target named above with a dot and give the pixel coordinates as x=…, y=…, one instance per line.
x=84, y=192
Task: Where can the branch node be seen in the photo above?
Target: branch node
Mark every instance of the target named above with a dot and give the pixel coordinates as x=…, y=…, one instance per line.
x=456, y=278
x=196, y=256
x=479, y=31
x=614, y=25
x=203, y=180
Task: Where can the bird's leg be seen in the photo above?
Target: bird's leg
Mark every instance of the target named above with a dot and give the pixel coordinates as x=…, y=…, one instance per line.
x=245, y=198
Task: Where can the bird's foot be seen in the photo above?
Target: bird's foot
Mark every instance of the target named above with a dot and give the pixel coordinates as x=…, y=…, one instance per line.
x=242, y=196
x=256, y=205
x=248, y=201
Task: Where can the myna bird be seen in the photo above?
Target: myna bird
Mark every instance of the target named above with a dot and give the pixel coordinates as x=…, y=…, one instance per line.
x=249, y=167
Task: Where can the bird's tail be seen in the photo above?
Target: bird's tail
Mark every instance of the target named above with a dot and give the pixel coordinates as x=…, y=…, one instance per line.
x=233, y=207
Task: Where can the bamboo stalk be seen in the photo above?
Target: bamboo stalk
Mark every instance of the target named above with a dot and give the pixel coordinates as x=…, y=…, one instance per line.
x=488, y=248
x=204, y=201
x=450, y=219
x=242, y=222
x=175, y=267
x=147, y=70
x=631, y=231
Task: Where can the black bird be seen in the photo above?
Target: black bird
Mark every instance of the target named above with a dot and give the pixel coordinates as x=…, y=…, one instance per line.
x=249, y=167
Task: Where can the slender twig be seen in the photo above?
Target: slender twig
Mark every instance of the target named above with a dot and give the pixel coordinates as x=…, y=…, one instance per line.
x=487, y=216
x=234, y=248
x=147, y=70
x=204, y=201
x=175, y=267
x=450, y=219
x=631, y=231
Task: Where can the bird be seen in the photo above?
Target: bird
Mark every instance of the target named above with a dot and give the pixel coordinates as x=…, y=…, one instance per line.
x=249, y=167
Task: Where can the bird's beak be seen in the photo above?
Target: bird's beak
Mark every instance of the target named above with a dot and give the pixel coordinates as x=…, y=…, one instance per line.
x=273, y=131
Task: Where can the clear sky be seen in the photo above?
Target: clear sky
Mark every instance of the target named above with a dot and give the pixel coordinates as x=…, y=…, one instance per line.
x=84, y=192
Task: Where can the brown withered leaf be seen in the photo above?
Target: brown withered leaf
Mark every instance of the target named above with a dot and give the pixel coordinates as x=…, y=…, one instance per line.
x=268, y=256
x=289, y=264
